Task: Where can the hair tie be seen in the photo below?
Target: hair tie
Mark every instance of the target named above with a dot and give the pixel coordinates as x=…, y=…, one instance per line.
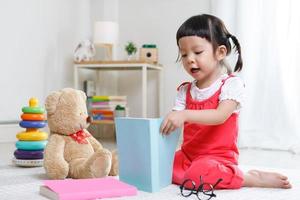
x=229, y=35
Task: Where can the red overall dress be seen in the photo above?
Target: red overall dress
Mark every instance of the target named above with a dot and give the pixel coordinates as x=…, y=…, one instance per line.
x=208, y=150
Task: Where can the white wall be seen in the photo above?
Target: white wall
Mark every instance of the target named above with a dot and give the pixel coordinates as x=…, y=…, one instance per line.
x=156, y=22
x=37, y=40
x=106, y=10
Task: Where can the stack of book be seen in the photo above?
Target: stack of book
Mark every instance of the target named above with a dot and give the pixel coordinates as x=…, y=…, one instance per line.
x=102, y=108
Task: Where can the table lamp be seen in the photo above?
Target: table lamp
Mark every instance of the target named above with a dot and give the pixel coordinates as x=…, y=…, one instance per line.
x=106, y=35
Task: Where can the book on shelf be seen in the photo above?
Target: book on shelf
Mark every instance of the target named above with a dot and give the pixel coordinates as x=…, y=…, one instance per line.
x=118, y=98
x=103, y=122
x=103, y=112
x=108, y=98
x=100, y=117
x=104, y=115
x=99, y=98
x=113, y=103
x=83, y=189
x=106, y=108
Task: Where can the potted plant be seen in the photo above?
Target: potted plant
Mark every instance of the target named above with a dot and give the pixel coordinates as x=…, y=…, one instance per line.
x=131, y=49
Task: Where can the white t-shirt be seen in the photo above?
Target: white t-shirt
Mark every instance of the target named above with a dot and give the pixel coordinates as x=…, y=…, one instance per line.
x=233, y=89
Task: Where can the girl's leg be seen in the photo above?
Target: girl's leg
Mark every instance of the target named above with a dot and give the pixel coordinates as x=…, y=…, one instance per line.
x=212, y=169
x=256, y=178
x=181, y=164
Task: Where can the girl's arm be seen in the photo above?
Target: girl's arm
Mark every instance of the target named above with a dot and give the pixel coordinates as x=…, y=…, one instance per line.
x=175, y=119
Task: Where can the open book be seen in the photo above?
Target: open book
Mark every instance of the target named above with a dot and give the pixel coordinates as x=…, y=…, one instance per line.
x=145, y=155
x=83, y=189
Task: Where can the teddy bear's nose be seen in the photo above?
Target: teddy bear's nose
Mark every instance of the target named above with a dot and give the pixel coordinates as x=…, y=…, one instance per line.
x=88, y=119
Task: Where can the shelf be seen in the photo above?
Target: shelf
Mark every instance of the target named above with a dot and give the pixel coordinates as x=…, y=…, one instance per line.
x=116, y=62
x=122, y=65
x=103, y=122
x=118, y=65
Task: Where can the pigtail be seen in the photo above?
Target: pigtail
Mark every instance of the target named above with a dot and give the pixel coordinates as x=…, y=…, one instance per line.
x=239, y=63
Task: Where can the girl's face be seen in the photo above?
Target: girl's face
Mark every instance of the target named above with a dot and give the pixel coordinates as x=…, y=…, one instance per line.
x=199, y=59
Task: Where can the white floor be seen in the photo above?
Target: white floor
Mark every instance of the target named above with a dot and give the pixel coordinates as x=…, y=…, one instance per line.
x=249, y=157
x=23, y=183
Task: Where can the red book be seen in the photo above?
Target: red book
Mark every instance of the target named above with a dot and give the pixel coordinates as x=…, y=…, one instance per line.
x=105, y=112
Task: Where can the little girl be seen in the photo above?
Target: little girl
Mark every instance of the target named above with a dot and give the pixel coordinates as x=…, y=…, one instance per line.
x=208, y=108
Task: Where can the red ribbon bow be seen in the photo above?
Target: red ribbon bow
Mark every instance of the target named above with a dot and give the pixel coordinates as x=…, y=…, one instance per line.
x=80, y=136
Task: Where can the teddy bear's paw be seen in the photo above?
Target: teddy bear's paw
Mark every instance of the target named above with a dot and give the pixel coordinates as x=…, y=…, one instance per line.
x=101, y=164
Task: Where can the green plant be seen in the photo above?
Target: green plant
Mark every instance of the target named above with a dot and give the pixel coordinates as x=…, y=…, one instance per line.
x=130, y=48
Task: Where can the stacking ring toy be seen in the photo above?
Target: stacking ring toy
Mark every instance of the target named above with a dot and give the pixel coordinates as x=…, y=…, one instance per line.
x=21, y=154
x=32, y=135
x=32, y=124
x=32, y=117
x=33, y=107
x=28, y=163
x=31, y=145
x=36, y=110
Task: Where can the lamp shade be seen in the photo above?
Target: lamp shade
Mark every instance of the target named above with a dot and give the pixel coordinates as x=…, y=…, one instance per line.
x=106, y=32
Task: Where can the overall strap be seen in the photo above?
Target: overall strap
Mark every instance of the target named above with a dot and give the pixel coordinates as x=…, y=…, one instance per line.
x=182, y=84
x=224, y=80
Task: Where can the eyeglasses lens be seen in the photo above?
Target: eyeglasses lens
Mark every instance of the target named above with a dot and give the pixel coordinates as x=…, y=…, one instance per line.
x=206, y=193
x=187, y=188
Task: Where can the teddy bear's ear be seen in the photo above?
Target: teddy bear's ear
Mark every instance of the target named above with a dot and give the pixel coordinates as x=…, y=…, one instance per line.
x=51, y=102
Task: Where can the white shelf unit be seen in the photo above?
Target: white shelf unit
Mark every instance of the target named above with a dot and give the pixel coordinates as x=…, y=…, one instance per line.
x=121, y=66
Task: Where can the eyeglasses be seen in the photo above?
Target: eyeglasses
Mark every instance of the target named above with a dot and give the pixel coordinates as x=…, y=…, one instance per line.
x=205, y=191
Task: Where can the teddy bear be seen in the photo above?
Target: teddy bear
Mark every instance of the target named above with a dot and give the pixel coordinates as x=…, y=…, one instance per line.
x=71, y=151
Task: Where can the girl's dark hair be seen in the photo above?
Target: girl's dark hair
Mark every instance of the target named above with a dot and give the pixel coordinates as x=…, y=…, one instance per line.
x=212, y=29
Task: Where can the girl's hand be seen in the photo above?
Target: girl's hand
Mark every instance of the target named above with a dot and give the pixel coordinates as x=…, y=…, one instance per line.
x=172, y=121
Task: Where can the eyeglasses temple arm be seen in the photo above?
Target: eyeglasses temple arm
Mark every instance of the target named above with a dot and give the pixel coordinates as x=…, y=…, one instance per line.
x=219, y=180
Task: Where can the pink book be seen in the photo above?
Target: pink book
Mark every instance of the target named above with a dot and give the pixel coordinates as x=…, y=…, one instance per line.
x=84, y=189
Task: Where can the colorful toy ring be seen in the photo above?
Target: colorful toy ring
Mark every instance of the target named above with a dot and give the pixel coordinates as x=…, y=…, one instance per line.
x=32, y=124
x=21, y=154
x=28, y=163
x=31, y=145
x=32, y=117
x=32, y=135
x=35, y=110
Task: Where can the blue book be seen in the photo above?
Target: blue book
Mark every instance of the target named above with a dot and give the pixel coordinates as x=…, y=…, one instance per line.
x=145, y=155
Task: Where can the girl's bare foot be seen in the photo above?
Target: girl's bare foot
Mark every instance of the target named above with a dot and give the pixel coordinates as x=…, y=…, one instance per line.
x=256, y=178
